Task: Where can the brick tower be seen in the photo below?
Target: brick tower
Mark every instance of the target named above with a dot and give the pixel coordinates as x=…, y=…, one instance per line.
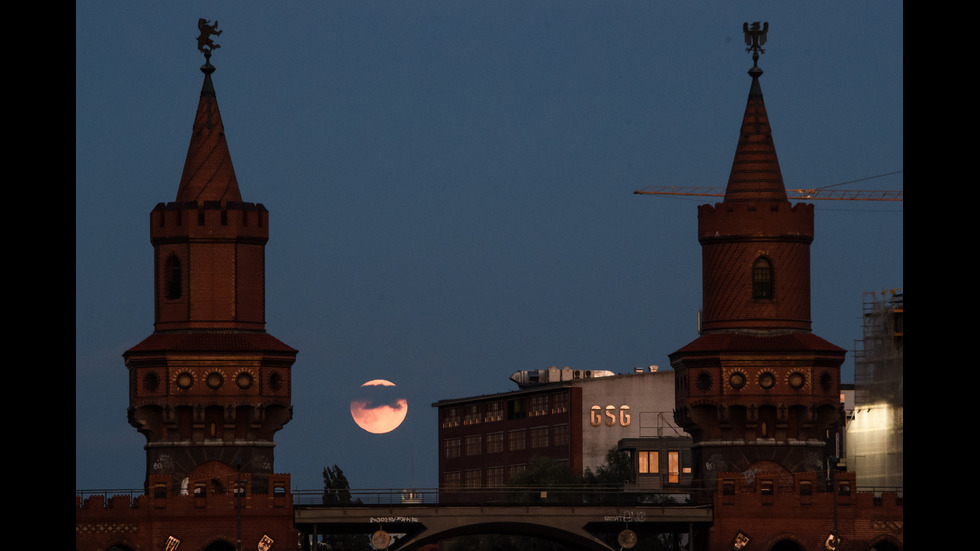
x=209, y=388
x=757, y=390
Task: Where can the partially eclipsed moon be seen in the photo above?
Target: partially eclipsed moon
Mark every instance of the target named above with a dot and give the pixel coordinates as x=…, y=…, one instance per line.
x=378, y=410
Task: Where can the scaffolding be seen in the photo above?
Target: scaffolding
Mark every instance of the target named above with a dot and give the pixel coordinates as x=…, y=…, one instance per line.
x=875, y=429
x=878, y=357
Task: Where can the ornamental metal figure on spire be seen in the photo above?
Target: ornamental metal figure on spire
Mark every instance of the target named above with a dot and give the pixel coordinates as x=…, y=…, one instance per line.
x=204, y=42
x=755, y=38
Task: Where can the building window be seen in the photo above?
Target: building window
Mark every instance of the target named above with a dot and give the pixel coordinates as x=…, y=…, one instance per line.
x=561, y=435
x=495, y=412
x=844, y=489
x=762, y=284
x=765, y=488
x=539, y=437
x=515, y=470
x=452, y=447
x=539, y=405
x=472, y=416
x=673, y=467
x=516, y=440
x=516, y=409
x=174, y=280
x=728, y=487
x=450, y=481
x=473, y=445
x=495, y=442
x=451, y=418
x=648, y=462
x=806, y=488
x=561, y=403
x=495, y=477
x=471, y=478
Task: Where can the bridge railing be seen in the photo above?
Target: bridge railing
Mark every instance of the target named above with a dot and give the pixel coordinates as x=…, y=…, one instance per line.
x=379, y=496
x=529, y=495
x=110, y=492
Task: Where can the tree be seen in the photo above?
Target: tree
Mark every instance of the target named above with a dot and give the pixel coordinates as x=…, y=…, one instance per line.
x=542, y=474
x=336, y=491
x=614, y=473
x=336, y=488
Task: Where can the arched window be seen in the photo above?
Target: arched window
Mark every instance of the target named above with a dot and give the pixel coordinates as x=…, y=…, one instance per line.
x=762, y=280
x=173, y=277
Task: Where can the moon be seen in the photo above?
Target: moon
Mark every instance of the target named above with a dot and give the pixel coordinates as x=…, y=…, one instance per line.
x=378, y=409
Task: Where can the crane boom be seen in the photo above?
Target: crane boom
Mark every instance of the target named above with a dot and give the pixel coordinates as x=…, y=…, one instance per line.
x=804, y=194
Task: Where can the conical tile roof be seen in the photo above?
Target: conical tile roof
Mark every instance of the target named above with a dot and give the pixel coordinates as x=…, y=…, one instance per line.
x=755, y=172
x=208, y=173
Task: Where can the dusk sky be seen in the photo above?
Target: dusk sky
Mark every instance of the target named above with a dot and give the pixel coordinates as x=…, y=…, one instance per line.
x=450, y=186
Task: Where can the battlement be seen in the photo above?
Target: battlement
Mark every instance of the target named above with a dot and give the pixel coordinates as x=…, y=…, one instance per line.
x=776, y=220
x=759, y=504
x=203, y=492
x=210, y=505
x=811, y=490
x=209, y=220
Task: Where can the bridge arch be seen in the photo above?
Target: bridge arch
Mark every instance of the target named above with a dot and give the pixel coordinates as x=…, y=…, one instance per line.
x=531, y=529
x=587, y=527
x=785, y=542
x=220, y=545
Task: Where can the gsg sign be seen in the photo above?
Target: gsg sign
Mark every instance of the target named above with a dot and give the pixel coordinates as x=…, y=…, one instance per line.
x=609, y=416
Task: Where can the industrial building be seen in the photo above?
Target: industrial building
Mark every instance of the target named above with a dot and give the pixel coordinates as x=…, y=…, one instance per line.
x=573, y=417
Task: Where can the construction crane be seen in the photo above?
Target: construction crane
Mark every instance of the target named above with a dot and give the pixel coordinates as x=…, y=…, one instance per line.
x=803, y=194
x=823, y=193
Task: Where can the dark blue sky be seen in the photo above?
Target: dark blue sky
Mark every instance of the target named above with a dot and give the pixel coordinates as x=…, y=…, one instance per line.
x=450, y=186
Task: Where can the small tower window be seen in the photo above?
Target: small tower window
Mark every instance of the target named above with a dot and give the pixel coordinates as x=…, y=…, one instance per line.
x=173, y=277
x=762, y=279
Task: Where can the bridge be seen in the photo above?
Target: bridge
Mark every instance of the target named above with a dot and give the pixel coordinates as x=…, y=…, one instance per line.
x=591, y=522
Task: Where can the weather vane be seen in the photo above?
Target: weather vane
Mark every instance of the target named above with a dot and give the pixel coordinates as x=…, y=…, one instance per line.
x=204, y=42
x=755, y=38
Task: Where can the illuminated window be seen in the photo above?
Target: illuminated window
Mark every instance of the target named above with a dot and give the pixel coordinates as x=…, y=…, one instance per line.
x=673, y=467
x=762, y=281
x=766, y=488
x=648, y=462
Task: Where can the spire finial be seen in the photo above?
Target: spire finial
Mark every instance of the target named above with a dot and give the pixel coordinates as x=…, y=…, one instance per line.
x=205, y=44
x=755, y=38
